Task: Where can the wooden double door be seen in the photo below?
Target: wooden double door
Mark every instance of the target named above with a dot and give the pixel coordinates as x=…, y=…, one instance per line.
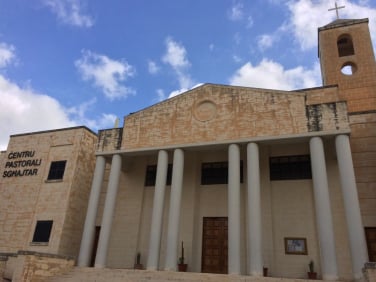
x=214, y=245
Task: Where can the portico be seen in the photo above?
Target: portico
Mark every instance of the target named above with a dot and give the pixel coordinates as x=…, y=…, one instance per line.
x=246, y=250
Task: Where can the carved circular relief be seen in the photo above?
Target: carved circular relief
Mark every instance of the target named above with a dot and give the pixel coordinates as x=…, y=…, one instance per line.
x=205, y=110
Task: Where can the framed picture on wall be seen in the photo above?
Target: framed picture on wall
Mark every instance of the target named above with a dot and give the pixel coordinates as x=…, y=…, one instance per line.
x=295, y=246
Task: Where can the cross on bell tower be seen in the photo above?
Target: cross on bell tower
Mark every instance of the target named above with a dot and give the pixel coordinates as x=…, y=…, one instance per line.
x=336, y=8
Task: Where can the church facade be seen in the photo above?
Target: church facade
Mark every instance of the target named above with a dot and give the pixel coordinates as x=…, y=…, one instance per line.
x=227, y=179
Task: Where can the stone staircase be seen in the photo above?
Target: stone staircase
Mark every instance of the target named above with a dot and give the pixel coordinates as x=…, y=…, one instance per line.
x=83, y=274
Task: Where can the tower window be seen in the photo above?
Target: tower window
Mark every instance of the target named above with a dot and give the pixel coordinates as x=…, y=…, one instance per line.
x=348, y=69
x=345, y=46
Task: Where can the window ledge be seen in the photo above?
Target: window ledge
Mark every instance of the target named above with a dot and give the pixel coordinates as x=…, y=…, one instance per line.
x=53, y=180
x=38, y=243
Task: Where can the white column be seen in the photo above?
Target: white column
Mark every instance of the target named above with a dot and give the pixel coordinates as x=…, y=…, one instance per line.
x=234, y=209
x=91, y=214
x=255, y=260
x=157, y=216
x=358, y=246
x=323, y=210
x=174, y=212
x=109, y=207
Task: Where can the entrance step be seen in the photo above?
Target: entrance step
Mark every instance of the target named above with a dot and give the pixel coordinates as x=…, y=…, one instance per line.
x=83, y=274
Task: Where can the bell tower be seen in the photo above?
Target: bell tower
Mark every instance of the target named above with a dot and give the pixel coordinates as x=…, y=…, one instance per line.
x=347, y=60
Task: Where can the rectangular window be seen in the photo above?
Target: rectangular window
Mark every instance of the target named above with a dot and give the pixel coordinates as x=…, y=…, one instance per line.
x=217, y=173
x=56, y=170
x=151, y=174
x=290, y=167
x=42, y=231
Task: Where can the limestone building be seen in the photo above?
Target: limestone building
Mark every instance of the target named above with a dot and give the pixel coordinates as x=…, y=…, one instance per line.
x=245, y=178
x=44, y=186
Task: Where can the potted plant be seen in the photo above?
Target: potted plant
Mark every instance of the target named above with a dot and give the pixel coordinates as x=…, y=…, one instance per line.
x=312, y=274
x=138, y=264
x=182, y=267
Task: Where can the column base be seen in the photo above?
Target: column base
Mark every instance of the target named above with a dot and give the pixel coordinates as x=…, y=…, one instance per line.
x=359, y=277
x=234, y=273
x=329, y=277
x=256, y=274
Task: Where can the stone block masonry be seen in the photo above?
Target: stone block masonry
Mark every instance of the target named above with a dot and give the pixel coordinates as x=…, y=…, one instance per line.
x=37, y=267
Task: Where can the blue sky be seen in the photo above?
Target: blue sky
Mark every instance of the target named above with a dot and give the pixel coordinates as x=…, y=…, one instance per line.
x=86, y=62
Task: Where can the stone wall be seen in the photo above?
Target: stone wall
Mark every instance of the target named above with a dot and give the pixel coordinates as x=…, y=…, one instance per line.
x=321, y=95
x=215, y=113
x=369, y=271
x=25, y=199
x=37, y=267
x=363, y=145
x=78, y=196
x=327, y=116
x=3, y=263
x=109, y=139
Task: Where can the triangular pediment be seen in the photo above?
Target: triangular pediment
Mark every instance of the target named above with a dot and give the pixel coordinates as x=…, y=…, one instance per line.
x=215, y=113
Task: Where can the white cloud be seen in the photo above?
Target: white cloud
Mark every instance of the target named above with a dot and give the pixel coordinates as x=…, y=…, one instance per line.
x=176, y=57
x=236, y=58
x=237, y=38
x=236, y=12
x=106, y=74
x=161, y=95
x=153, y=67
x=80, y=116
x=272, y=75
x=180, y=91
x=24, y=110
x=185, y=80
x=70, y=12
x=265, y=41
x=308, y=15
x=177, y=92
x=250, y=22
x=6, y=54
